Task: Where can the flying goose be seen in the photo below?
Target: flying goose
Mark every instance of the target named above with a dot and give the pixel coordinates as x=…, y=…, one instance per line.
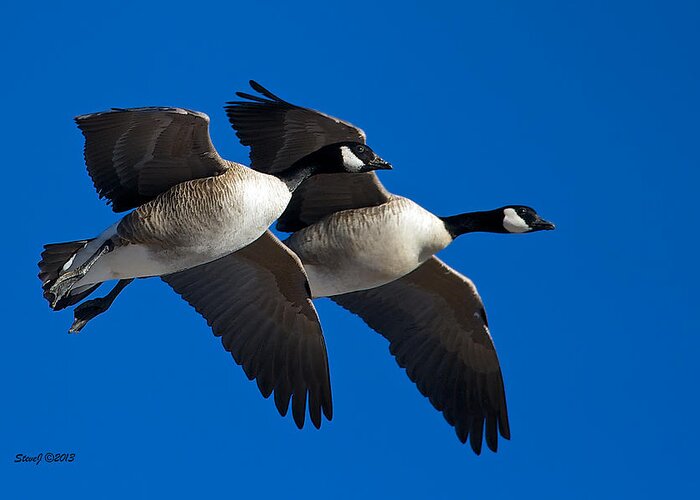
x=193, y=210
x=373, y=253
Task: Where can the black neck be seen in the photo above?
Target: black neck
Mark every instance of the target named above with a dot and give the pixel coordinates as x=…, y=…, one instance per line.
x=296, y=174
x=472, y=222
x=324, y=160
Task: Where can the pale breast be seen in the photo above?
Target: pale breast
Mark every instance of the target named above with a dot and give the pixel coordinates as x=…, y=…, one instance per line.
x=204, y=219
x=368, y=247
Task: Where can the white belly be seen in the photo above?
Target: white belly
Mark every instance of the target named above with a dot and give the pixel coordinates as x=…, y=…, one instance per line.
x=365, y=248
x=325, y=281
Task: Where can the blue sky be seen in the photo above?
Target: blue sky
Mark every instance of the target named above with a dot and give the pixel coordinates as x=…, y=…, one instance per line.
x=587, y=111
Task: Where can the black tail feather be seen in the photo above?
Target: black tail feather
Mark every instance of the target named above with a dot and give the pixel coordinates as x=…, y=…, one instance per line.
x=53, y=258
x=71, y=299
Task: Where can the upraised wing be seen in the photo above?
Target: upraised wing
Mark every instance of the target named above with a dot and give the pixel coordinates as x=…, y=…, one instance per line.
x=133, y=155
x=280, y=133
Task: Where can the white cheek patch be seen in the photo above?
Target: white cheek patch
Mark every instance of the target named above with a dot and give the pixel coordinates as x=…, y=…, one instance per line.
x=513, y=222
x=351, y=161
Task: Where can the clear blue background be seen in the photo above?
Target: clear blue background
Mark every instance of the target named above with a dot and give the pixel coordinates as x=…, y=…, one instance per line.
x=588, y=111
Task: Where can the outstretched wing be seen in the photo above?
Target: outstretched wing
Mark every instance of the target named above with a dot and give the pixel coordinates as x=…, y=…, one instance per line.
x=437, y=330
x=280, y=133
x=258, y=301
x=133, y=155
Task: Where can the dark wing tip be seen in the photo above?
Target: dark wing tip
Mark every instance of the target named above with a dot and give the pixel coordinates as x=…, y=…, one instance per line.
x=262, y=90
x=476, y=435
x=504, y=426
x=282, y=396
x=328, y=408
x=492, y=433
x=315, y=415
x=299, y=408
x=267, y=96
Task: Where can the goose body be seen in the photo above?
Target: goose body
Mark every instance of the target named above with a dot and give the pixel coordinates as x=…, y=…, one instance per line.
x=192, y=223
x=367, y=247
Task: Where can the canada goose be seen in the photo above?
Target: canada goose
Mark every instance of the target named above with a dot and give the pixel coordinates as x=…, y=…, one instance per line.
x=373, y=253
x=366, y=247
x=193, y=209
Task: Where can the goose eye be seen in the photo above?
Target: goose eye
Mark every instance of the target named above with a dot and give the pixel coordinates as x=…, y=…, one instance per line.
x=360, y=149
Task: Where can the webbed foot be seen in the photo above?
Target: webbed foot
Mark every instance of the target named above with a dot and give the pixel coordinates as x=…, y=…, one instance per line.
x=87, y=311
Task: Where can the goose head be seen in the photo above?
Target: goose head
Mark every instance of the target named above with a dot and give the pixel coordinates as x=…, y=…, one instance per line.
x=351, y=157
x=522, y=219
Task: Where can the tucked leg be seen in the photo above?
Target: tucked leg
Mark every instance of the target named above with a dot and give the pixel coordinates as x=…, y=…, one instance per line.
x=94, y=307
